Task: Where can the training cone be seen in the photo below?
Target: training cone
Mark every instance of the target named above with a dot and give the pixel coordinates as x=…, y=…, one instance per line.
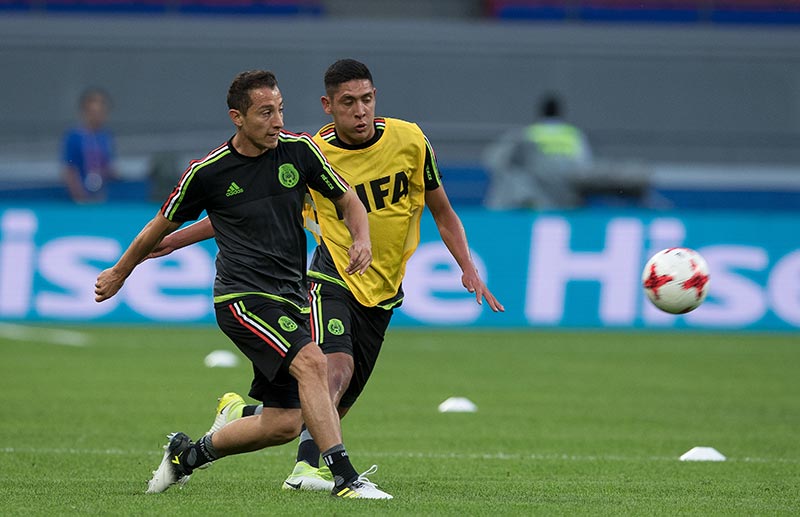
x=221, y=359
x=457, y=405
x=702, y=454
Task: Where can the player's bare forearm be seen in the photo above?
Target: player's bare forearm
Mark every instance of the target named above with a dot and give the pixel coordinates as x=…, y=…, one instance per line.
x=454, y=237
x=470, y=278
x=355, y=218
x=450, y=228
x=195, y=232
x=110, y=281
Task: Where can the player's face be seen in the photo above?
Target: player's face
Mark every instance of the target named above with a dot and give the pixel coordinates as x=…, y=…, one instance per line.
x=352, y=107
x=259, y=127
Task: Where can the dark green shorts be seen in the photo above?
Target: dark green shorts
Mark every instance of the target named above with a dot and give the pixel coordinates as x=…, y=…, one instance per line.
x=270, y=334
x=340, y=324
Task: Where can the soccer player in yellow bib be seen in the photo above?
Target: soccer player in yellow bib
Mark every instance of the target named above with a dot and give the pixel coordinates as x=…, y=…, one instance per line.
x=392, y=167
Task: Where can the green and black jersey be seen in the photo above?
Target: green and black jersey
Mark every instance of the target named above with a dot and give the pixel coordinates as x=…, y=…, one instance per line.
x=255, y=206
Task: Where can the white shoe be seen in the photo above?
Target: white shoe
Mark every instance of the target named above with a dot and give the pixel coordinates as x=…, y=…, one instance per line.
x=170, y=471
x=229, y=408
x=306, y=477
x=362, y=488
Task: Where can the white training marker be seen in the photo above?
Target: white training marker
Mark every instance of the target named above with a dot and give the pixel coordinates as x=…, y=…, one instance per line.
x=457, y=405
x=221, y=359
x=702, y=454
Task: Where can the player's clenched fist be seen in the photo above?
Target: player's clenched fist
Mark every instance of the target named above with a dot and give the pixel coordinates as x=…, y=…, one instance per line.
x=107, y=284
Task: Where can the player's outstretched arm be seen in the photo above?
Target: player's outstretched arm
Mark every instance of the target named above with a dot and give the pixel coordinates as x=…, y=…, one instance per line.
x=110, y=281
x=355, y=218
x=195, y=232
x=455, y=238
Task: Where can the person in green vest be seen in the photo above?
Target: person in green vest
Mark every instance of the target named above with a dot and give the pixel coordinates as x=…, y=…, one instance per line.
x=539, y=166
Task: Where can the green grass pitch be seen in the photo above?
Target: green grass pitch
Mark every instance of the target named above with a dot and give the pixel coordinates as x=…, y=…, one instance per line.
x=569, y=423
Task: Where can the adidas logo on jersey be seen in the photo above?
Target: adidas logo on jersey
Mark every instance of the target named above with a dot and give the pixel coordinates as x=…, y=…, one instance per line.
x=234, y=189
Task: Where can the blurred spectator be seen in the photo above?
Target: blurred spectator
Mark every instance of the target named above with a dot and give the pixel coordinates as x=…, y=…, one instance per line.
x=550, y=165
x=539, y=166
x=88, y=150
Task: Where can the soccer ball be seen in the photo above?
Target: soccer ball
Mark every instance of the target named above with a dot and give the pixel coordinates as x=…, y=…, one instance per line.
x=676, y=280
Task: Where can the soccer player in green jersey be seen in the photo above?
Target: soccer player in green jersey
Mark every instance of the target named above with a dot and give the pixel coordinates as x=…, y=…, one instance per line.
x=393, y=169
x=253, y=189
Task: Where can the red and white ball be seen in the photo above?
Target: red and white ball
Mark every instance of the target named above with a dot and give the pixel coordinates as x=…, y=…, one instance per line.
x=676, y=280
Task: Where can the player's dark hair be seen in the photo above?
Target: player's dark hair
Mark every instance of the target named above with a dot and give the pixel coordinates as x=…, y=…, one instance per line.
x=239, y=91
x=345, y=70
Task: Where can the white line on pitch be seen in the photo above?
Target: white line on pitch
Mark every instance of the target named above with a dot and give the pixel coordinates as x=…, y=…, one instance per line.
x=44, y=335
x=422, y=455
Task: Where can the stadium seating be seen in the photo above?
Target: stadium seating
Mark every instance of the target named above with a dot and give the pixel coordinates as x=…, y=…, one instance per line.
x=664, y=11
x=265, y=7
x=756, y=11
x=658, y=11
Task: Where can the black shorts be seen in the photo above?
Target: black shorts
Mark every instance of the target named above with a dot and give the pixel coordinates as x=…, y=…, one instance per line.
x=340, y=324
x=270, y=334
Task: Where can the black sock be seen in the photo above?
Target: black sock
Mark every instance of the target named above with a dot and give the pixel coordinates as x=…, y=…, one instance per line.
x=307, y=450
x=337, y=460
x=199, y=454
x=249, y=410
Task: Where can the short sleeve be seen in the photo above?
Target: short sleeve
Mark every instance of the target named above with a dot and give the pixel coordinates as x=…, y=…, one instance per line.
x=433, y=178
x=71, y=149
x=186, y=202
x=320, y=175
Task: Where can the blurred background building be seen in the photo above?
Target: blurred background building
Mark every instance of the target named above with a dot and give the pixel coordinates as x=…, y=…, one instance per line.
x=702, y=96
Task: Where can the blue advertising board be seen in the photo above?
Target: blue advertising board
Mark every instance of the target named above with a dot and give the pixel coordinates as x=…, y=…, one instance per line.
x=578, y=269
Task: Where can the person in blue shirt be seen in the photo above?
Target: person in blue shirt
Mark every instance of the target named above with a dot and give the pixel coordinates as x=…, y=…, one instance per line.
x=88, y=150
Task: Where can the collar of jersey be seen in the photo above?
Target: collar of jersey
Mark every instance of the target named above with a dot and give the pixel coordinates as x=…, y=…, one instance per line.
x=377, y=136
